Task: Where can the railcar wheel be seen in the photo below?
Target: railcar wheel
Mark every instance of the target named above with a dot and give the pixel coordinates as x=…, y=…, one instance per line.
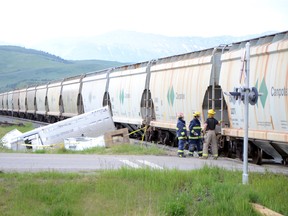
x=257, y=154
x=221, y=145
x=220, y=141
x=175, y=142
x=230, y=149
x=152, y=134
x=166, y=138
x=40, y=118
x=51, y=119
x=239, y=150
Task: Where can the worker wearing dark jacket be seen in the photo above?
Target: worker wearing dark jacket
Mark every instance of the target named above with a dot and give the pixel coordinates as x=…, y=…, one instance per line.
x=195, y=136
x=181, y=133
x=210, y=135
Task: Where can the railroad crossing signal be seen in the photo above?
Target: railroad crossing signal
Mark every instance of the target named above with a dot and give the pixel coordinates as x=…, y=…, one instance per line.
x=248, y=96
x=239, y=95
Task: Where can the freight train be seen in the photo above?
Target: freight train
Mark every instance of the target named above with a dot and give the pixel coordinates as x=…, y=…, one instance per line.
x=151, y=94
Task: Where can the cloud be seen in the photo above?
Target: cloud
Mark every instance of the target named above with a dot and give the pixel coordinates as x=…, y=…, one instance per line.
x=32, y=21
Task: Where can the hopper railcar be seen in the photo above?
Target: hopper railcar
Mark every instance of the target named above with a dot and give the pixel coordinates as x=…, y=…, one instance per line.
x=268, y=119
x=152, y=93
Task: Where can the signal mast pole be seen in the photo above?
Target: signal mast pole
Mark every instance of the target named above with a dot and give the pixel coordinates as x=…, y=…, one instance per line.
x=246, y=114
x=248, y=96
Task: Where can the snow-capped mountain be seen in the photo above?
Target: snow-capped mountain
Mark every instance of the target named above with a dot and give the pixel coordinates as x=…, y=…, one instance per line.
x=126, y=46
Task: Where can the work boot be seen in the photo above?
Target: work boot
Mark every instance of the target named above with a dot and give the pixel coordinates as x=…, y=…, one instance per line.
x=190, y=154
x=181, y=155
x=203, y=157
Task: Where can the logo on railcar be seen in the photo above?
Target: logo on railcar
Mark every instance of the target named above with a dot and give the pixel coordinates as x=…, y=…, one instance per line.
x=263, y=90
x=121, y=96
x=275, y=92
x=279, y=92
x=172, y=96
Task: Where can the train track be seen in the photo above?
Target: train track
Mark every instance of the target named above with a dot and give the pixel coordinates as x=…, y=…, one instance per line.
x=10, y=120
x=172, y=151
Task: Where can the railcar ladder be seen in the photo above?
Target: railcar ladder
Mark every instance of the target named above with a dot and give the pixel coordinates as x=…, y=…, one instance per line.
x=212, y=99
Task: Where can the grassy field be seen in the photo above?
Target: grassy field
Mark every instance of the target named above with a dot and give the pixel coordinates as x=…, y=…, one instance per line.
x=21, y=67
x=8, y=128
x=208, y=191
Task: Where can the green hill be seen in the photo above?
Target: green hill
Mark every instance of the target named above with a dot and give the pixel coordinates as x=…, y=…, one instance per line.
x=21, y=67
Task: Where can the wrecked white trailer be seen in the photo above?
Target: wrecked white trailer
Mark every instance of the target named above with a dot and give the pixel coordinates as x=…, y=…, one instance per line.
x=91, y=124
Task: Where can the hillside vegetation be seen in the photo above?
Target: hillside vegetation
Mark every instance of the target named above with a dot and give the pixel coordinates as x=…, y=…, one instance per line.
x=21, y=67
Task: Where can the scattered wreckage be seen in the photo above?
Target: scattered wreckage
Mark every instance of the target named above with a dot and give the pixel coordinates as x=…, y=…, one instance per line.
x=77, y=133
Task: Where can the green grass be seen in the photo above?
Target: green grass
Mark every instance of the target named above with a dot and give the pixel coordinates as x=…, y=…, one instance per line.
x=209, y=191
x=5, y=129
x=121, y=149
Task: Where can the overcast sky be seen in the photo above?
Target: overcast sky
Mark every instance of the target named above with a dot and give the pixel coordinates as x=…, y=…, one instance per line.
x=31, y=21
